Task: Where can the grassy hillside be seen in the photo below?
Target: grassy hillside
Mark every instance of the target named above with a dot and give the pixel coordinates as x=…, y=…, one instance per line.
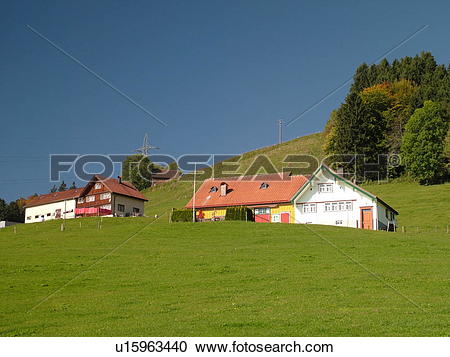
x=176, y=194
x=137, y=276
x=426, y=207
x=421, y=207
x=225, y=279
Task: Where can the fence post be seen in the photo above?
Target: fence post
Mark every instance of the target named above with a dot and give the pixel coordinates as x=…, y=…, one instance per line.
x=403, y=229
x=62, y=227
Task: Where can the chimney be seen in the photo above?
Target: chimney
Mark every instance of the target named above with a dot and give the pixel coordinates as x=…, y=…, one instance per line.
x=119, y=178
x=223, y=189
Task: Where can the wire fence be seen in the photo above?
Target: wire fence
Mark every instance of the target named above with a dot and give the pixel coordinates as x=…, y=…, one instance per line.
x=425, y=229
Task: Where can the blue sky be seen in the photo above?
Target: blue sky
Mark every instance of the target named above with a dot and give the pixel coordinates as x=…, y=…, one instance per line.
x=219, y=73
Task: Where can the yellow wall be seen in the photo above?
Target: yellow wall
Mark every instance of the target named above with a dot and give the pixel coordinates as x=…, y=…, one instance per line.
x=285, y=208
x=217, y=212
x=213, y=212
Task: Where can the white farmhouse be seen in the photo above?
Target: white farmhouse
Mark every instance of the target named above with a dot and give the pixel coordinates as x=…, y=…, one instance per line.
x=330, y=199
x=52, y=206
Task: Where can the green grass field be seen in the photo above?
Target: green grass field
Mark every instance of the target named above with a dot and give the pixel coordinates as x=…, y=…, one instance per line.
x=220, y=279
x=138, y=278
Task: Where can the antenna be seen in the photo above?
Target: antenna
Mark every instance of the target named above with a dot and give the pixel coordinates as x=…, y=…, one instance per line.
x=146, y=147
x=280, y=131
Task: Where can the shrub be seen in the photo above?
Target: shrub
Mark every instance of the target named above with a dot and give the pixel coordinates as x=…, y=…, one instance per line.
x=239, y=214
x=181, y=215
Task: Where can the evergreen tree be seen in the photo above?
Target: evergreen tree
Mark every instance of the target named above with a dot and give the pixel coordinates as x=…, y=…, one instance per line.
x=3, y=212
x=359, y=129
x=73, y=186
x=423, y=143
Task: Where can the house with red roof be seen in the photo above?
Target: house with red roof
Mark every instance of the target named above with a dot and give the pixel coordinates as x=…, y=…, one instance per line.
x=100, y=197
x=269, y=196
x=322, y=198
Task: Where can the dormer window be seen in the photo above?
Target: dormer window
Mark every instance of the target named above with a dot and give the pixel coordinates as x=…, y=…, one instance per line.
x=264, y=185
x=98, y=186
x=213, y=189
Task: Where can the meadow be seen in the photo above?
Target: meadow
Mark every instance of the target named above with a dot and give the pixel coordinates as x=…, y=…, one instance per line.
x=147, y=277
x=138, y=278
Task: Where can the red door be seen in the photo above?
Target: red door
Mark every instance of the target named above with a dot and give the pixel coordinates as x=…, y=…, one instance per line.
x=366, y=218
x=285, y=217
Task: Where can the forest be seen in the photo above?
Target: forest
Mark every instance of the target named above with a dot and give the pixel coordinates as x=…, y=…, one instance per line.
x=399, y=109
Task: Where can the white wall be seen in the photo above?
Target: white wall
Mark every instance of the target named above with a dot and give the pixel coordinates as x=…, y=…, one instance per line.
x=67, y=206
x=341, y=192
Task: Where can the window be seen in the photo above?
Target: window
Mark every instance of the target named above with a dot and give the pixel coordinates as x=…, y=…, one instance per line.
x=339, y=222
x=29, y=218
x=48, y=214
x=98, y=186
x=90, y=198
x=36, y=217
x=264, y=185
x=276, y=218
x=135, y=210
x=121, y=208
x=213, y=189
x=105, y=196
x=325, y=187
x=80, y=199
x=309, y=208
x=106, y=207
x=264, y=210
x=338, y=206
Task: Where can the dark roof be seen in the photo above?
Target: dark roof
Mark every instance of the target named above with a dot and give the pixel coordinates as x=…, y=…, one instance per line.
x=166, y=175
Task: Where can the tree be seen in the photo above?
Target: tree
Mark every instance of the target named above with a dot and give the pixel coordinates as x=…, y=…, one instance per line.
x=15, y=211
x=73, y=186
x=138, y=169
x=62, y=187
x=423, y=143
x=3, y=207
x=359, y=128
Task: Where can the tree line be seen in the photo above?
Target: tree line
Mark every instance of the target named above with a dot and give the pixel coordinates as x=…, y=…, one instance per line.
x=399, y=108
x=14, y=211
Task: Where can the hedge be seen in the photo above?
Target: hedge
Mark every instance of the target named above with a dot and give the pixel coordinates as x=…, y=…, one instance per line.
x=239, y=214
x=181, y=215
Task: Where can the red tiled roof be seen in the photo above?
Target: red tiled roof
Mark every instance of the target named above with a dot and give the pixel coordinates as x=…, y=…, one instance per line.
x=124, y=188
x=247, y=191
x=54, y=197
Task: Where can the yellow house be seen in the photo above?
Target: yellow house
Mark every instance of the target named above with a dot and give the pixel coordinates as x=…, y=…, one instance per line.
x=269, y=196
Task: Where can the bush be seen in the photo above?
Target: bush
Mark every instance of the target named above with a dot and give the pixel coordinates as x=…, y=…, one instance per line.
x=239, y=214
x=181, y=215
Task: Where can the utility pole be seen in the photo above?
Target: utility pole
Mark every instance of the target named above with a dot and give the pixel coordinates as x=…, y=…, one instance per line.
x=280, y=131
x=193, y=197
